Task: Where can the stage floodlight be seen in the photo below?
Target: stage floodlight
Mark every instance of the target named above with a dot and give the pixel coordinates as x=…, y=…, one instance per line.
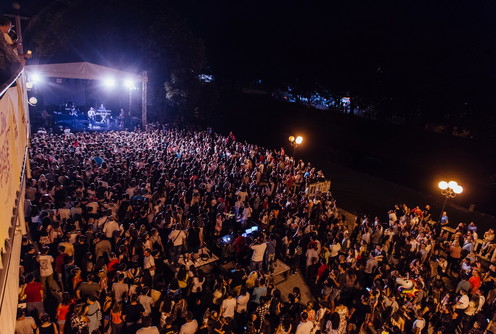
x=129, y=84
x=33, y=100
x=109, y=82
x=35, y=78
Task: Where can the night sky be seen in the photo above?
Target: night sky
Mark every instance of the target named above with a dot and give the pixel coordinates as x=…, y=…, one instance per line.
x=405, y=48
x=398, y=49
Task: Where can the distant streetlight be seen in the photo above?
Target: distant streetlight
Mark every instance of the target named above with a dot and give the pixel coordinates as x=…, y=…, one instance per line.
x=295, y=141
x=449, y=190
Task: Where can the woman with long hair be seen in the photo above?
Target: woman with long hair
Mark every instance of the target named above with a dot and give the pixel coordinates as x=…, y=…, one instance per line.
x=332, y=324
x=182, y=278
x=94, y=313
x=285, y=326
x=88, y=263
x=106, y=310
x=76, y=278
x=197, y=283
x=46, y=327
x=62, y=311
x=116, y=322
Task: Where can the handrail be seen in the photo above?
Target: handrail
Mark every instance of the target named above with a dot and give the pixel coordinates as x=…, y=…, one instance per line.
x=6, y=85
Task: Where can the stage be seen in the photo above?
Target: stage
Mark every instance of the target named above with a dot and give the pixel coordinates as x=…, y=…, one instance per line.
x=59, y=122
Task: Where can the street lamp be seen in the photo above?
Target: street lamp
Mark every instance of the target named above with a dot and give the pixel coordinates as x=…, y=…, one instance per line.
x=295, y=141
x=448, y=190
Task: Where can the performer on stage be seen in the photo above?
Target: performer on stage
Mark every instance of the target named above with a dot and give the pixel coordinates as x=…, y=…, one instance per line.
x=73, y=114
x=91, y=115
x=120, y=119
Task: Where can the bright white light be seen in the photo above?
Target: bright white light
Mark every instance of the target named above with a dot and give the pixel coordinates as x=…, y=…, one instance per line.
x=29, y=85
x=443, y=185
x=33, y=100
x=109, y=82
x=452, y=184
x=458, y=189
x=299, y=140
x=35, y=78
x=129, y=84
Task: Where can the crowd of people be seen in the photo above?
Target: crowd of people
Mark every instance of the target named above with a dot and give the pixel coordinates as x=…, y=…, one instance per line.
x=121, y=224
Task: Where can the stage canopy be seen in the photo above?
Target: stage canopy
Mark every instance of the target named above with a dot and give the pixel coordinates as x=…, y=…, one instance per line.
x=89, y=71
x=83, y=70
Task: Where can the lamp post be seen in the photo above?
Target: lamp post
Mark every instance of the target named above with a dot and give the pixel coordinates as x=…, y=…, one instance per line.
x=295, y=141
x=448, y=190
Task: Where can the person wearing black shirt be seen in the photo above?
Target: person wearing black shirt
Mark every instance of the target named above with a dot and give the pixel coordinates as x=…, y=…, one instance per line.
x=238, y=276
x=169, y=328
x=489, y=282
x=132, y=314
x=427, y=214
x=29, y=260
x=359, y=314
x=163, y=273
x=80, y=249
x=193, y=239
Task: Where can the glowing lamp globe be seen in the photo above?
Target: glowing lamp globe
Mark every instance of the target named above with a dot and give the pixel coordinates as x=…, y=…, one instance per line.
x=29, y=85
x=458, y=189
x=291, y=138
x=33, y=100
x=452, y=184
x=443, y=185
x=299, y=140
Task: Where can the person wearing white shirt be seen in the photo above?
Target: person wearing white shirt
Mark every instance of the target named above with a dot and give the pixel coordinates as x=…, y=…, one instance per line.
x=147, y=327
x=258, y=248
x=46, y=270
x=191, y=325
x=110, y=227
x=64, y=213
x=305, y=326
x=462, y=303
x=334, y=249
x=418, y=324
x=177, y=236
x=228, y=306
x=242, y=301
x=147, y=301
x=149, y=262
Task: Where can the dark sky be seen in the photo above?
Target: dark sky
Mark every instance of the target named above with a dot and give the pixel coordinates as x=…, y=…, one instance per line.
x=427, y=52
x=406, y=48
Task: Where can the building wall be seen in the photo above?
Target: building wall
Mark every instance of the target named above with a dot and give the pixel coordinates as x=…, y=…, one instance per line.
x=14, y=140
